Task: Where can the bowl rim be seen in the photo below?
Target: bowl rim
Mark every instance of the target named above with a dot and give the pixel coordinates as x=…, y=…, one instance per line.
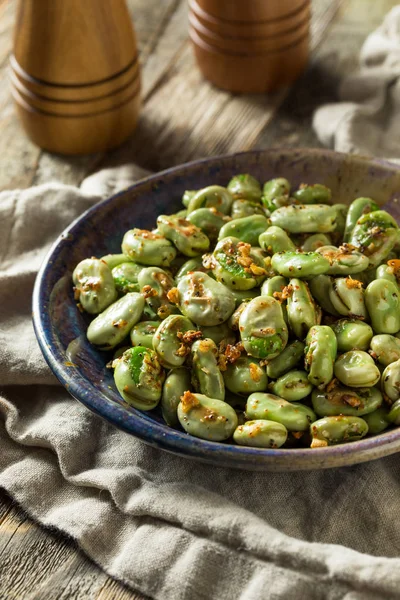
x=160, y=435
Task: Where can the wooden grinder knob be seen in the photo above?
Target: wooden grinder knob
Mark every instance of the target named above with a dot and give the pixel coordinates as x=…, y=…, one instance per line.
x=75, y=76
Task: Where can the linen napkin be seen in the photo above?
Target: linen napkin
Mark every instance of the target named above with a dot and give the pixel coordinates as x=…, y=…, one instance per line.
x=367, y=118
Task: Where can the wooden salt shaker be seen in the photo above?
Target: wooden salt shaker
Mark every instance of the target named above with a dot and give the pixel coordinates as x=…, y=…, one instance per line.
x=250, y=46
x=75, y=76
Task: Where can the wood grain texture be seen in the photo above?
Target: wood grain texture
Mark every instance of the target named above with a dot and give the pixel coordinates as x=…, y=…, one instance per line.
x=35, y=563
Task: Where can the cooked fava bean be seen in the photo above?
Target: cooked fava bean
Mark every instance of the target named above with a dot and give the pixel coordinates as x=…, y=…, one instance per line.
x=377, y=420
x=219, y=333
x=186, y=237
x=299, y=264
x=374, y=235
x=203, y=300
x=213, y=196
x=315, y=241
x=312, y=194
x=209, y=220
x=305, y=218
x=245, y=208
x=303, y=312
x=261, y=434
x=390, y=272
x=246, y=229
x=206, y=377
x=352, y=334
x=344, y=260
x=356, y=369
x=94, y=285
x=155, y=283
x=245, y=376
x=340, y=400
x=292, y=386
x=237, y=265
x=358, y=208
x=347, y=296
x=176, y=383
x=206, y=418
x=394, y=413
x=295, y=417
x=289, y=358
x=276, y=193
x=385, y=348
x=337, y=430
x=171, y=343
x=193, y=264
x=148, y=248
x=383, y=303
x=321, y=289
x=113, y=325
x=125, y=277
x=187, y=196
x=262, y=328
x=320, y=354
x=391, y=381
x=142, y=333
x=246, y=187
x=244, y=295
x=139, y=377
x=275, y=239
x=113, y=260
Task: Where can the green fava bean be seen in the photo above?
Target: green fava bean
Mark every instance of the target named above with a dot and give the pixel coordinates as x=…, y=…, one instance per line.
x=207, y=418
x=377, y=421
x=344, y=260
x=348, y=297
x=206, y=376
x=374, y=235
x=391, y=381
x=295, y=417
x=390, y=273
x=394, y=413
x=209, y=220
x=321, y=288
x=305, y=218
x=275, y=239
x=247, y=229
x=289, y=358
x=303, y=312
x=176, y=384
x=243, y=295
x=337, y=430
x=262, y=328
x=168, y=342
x=212, y=196
x=276, y=193
x=245, y=208
x=320, y=354
x=113, y=260
x=187, y=196
x=312, y=194
x=385, y=348
x=245, y=186
x=299, y=264
x=341, y=215
x=139, y=378
x=203, y=300
x=189, y=239
x=358, y=208
x=245, y=376
x=148, y=248
x=94, y=285
x=315, y=241
x=274, y=287
x=142, y=333
x=261, y=434
x=345, y=401
x=125, y=277
x=352, y=334
x=237, y=265
x=383, y=303
x=112, y=326
x=233, y=321
x=193, y=264
x=357, y=369
x=155, y=284
x=219, y=333
x=292, y=386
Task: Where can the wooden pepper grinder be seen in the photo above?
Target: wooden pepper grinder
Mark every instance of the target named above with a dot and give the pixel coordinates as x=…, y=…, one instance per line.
x=75, y=75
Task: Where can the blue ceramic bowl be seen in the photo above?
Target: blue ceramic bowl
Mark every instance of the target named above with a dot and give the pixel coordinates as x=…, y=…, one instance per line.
x=60, y=327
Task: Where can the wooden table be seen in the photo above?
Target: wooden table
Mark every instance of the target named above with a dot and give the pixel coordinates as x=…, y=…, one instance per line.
x=183, y=118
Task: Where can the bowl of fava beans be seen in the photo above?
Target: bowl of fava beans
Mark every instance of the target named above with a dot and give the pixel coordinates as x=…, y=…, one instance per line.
x=241, y=310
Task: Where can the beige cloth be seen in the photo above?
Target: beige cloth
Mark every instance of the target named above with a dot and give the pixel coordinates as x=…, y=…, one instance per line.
x=172, y=528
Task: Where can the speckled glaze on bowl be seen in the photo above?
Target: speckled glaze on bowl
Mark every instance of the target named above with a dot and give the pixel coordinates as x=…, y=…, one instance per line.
x=60, y=327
